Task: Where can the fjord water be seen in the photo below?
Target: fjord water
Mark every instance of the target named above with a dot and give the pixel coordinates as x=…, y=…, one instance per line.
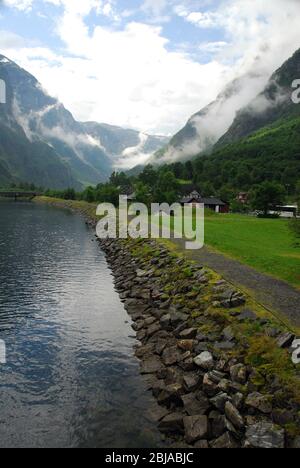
x=71, y=379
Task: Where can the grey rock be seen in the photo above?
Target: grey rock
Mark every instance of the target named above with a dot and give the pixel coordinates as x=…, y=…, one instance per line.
x=157, y=413
x=195, y=427
x=224, y=345
x=283, y=417
x=228, y=334
x=201, y=444
x=200, y=347
x=149, y=321
x=171, y=394
x=209, y=387
x=224, y=385
x=157, y=386
x=238, y=400
x=141, y=273
x=285, y=340
x=191, y=382
x=160, y=346
x=172, y=423
x=194, y=406
x=165, y=321
x=151, y=365
x=265, y=436
x=216, y=376
x=204, y=360
x=259, y=402
x=226, y=441
x=170, y=356
x=296, y=443
x=234, y=416
x=238, y=373
x=220, y=401
x=189, y=334
x=153, y=329
x=177, y=318
x=247, y=315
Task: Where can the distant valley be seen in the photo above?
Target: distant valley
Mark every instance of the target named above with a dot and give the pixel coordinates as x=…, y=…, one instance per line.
x=42, y=143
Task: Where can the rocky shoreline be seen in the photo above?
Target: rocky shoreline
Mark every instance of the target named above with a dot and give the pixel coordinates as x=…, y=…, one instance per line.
x=222, y=375
x=206, y=396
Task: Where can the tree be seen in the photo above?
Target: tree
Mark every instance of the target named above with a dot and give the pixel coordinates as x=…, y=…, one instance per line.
x=108, y=193
x=178, y=170
x=167, y=188
x=143, y=193
x=69, y=194
x=189, y=170
x=119, y=179
x=265, y=195
x=207, y=189
x=148, y=176
x=227, y=194
x=89, y=195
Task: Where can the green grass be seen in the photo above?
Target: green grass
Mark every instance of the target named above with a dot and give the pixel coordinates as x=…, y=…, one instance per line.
x=264, y=244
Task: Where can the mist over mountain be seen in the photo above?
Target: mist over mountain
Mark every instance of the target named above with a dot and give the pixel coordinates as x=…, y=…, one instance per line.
x=273, y=104
x=246, y=104
x=42, y=143
x=263, y=142
x=206, y=127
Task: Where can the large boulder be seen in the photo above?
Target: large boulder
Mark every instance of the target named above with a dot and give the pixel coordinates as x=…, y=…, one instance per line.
x=234, y=416
x=195, y=428
x=172, y=423
x=259, y=402
x=226, y=441
x=204, y=360
x=265, y=436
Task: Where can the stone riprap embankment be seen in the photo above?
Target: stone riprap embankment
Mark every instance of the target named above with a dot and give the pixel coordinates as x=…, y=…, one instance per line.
x=217, y=371
x=220, y=370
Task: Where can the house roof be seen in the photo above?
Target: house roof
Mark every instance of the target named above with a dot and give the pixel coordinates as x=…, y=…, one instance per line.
x=196, y=197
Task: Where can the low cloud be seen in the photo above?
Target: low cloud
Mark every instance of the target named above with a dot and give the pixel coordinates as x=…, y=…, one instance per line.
x=128, y=74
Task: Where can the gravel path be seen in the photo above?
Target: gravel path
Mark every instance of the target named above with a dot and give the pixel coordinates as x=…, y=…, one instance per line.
x=272, y=293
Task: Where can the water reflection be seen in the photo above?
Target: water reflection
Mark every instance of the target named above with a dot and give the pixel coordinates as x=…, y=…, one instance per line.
x=71, y=379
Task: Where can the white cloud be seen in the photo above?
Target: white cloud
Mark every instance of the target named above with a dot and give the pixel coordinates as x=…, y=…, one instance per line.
x=125, y=77
x=213, y=47
x=155, y=7
x=128, y=75
x=23, y=5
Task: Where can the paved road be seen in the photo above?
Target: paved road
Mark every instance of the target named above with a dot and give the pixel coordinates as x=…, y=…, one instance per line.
x=272, y=293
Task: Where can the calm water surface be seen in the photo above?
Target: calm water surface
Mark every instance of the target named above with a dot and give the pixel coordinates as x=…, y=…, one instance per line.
x=71, y=379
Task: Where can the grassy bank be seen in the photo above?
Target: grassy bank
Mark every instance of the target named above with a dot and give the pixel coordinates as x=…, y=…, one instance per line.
x=264, y=244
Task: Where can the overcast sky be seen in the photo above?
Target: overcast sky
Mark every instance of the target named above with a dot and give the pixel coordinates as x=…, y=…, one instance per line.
x=145, y=64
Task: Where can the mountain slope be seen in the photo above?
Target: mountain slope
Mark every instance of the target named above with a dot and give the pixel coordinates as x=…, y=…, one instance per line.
x=273, y=104
x=205, y=128
x=263, y=142
x=41, y=142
